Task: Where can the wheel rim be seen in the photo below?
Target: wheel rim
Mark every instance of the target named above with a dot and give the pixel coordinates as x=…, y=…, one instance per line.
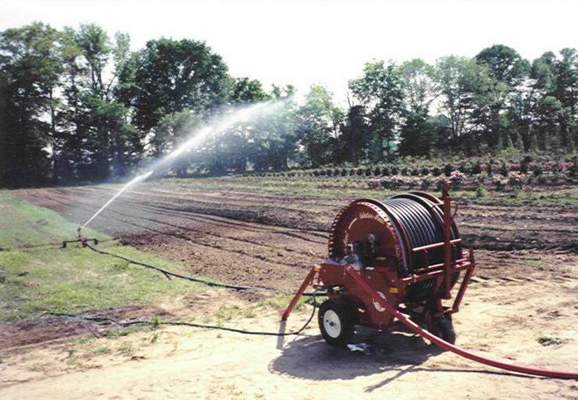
x=332, y=323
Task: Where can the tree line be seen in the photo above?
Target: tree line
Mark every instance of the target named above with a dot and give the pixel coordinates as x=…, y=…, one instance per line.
x=78, y=105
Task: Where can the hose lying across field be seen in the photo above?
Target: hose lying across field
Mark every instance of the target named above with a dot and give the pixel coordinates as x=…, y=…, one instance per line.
x=170, y=274
x=150, y=322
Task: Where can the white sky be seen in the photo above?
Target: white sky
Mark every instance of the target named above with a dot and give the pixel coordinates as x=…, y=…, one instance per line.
x=319, y=41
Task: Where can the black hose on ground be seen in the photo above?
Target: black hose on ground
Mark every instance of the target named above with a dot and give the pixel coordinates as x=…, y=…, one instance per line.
x=170, y=274
x=134, y=322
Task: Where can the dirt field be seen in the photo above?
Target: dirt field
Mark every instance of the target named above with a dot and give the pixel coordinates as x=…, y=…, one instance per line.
x=252, y=237
x=521, y=306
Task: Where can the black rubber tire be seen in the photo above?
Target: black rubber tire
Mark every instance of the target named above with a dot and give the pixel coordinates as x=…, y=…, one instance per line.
x=347, y=319
x=445, y=329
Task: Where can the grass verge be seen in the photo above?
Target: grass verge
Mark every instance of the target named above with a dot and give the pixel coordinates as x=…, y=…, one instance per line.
x=37, y=276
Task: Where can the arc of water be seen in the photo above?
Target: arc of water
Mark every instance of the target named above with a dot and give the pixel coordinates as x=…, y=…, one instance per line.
x=219, y=125
x=134, y=181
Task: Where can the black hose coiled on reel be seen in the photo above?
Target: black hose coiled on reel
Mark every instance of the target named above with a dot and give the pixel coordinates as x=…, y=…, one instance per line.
x=419, y=222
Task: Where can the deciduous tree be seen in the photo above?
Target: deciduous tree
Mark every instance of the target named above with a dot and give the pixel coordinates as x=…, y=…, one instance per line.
x=380, y=90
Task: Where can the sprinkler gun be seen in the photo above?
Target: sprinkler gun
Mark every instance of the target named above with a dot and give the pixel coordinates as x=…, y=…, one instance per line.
x=84, y=241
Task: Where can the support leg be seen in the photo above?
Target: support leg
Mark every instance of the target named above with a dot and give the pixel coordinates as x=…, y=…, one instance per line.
x=293, y=303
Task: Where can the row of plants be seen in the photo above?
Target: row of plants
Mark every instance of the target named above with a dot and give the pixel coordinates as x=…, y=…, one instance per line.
x=458, y=181
x=524, y=166
x=533, y=169
x=513, y=181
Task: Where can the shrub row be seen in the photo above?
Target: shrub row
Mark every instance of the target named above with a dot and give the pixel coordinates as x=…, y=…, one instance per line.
x=458, y=180
x=525, y=166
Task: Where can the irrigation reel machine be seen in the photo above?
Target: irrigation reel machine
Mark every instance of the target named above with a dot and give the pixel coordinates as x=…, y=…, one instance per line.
x=405, y=251
x=396, y=262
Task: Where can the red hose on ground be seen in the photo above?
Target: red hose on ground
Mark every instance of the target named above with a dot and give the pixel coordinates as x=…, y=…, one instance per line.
x=450, y=347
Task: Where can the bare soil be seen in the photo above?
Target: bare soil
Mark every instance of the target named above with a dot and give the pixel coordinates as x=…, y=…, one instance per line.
x=255, y=238
x=521, y=306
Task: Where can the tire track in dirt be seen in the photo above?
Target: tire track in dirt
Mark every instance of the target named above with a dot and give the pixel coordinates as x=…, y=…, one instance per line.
x=223, y=248
x=513, y=229
x=563, y=217
x=243, y=225
x=220, y=236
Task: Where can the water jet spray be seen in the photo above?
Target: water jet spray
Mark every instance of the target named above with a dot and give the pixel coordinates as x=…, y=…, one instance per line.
x=218, y=125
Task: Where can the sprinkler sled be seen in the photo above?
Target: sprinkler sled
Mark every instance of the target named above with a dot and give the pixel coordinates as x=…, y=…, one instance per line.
x=84, y=241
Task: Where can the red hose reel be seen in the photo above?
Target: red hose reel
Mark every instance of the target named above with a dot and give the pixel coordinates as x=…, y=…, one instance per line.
x=393, y=261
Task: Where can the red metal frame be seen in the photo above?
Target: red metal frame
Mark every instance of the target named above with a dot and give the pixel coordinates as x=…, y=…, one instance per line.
x=448, y=220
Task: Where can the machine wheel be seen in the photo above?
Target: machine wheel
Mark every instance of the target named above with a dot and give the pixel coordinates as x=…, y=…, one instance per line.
x=336, y=322
x=445, y=329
